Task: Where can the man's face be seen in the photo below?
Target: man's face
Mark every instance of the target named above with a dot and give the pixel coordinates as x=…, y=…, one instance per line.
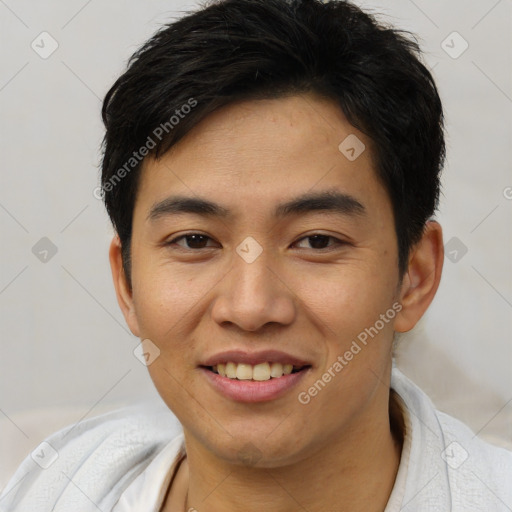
x=305, y=282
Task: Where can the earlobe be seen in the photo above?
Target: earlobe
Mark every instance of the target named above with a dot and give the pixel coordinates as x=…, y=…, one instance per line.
x=422, y=279
x=123, y=291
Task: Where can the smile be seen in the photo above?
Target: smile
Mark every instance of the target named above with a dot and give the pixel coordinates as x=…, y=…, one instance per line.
x=258, y=372
x=250, y=390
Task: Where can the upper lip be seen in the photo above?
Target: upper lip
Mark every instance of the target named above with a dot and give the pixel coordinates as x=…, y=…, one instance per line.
x=253, y=358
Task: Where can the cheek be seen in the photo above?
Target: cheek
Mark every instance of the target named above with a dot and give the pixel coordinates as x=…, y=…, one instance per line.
x=357, y=343
x=350, y=297
x=162, y=299
x=347, y=305
x=166, y=303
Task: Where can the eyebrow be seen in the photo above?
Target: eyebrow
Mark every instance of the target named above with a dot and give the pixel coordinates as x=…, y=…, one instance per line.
x=328, y=200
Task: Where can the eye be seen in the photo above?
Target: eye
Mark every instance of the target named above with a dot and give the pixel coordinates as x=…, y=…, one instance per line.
x=195, y=241
x=319, y=241
x=191, y=240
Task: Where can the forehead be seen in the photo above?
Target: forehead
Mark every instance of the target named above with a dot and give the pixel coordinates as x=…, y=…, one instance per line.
x=262, y=152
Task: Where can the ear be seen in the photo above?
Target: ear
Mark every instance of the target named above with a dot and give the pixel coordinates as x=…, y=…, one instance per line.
x=422, y=278
x=123, y=291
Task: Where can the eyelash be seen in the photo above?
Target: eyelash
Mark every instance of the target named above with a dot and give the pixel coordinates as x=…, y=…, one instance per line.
x=338, y=242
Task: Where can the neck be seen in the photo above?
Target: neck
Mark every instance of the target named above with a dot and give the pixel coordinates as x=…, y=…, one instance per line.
x=353, y=473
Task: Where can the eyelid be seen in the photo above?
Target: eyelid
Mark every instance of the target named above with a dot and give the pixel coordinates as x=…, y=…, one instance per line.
x=337, y=241
x=184, y=235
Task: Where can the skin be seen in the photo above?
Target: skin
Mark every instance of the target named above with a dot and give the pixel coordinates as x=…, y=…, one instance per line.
x=310, y=302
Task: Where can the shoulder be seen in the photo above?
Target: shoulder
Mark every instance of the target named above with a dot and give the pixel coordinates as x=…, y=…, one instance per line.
x=90, y=463
x=481, y=470
x=448, y=463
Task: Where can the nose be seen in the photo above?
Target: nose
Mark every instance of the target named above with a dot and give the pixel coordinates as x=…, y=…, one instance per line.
x=252, y=295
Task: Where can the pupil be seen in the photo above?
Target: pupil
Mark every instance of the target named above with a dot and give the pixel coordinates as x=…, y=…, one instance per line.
x=318, y=241
x=196, y=241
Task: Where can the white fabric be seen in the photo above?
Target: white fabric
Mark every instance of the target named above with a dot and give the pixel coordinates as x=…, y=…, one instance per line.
x=123, y=461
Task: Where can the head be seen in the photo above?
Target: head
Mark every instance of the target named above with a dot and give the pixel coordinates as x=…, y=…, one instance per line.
x=305, y=135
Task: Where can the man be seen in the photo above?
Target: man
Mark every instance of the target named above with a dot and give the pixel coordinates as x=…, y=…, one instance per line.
x=271, y=169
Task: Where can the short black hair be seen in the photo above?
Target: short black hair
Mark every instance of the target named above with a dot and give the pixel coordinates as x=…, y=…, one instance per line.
x=231, y=50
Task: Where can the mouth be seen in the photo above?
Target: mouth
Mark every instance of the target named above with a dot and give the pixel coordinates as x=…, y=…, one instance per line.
x=259, y=372
x=254, y=377
x=260, y=376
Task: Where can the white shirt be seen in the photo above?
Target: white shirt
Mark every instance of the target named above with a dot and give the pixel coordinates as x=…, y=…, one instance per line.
x=123, y=461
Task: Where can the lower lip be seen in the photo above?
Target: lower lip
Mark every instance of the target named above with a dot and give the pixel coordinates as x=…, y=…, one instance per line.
x=253, y=391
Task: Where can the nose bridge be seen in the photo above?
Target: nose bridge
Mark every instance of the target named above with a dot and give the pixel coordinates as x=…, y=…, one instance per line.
x=251, y=272
x=252, y=277
x=252, y=294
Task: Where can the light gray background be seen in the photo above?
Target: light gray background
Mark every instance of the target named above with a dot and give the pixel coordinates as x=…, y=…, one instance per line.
x=64, y=343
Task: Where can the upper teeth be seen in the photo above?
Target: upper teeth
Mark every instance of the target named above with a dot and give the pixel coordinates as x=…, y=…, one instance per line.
x=262, y=371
